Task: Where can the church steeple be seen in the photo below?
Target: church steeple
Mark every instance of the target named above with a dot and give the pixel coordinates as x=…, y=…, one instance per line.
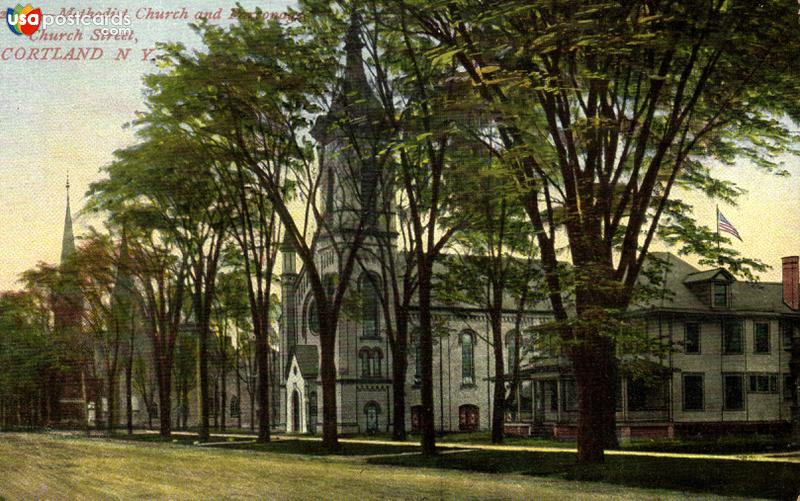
x=354, y=105
x=68, y=240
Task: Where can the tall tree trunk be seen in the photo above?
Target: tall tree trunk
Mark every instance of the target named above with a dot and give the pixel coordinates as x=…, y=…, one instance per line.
x=399, y=370
x=202, y=358
x=427, y=425
x=112, y=396
x=330, y=425
x=223, y=395
x=593, y=364
x=129, y=387
x=499, y=405
x=262, y=386
x=238, y=388
x=164, y=395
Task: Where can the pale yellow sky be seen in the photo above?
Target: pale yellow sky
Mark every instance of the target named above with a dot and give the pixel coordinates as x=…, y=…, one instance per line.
x=61, y=117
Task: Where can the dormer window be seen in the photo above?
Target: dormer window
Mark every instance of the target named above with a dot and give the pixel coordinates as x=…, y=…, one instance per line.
x=720, y=295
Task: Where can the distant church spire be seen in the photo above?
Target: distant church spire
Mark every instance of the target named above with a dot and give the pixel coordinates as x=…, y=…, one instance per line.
x=68, y=240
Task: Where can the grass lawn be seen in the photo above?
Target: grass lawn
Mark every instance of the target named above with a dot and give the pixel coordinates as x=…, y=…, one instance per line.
x=723, y=477
x=722, y=445
x=53, y=467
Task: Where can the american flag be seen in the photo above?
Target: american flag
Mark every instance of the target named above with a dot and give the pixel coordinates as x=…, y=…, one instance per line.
x=725, y=225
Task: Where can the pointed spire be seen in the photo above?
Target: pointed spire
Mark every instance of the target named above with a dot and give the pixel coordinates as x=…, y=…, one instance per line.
x=354, y=100
x=355, y=80
x=68, y=240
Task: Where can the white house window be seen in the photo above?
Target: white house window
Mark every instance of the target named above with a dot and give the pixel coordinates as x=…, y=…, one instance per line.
x=467, y=358
x=761, y=337
x=733, y=389
x=691, y=341
x=787, y=334
x=693, y=392
x=763, y=383
x=720, y=295
x=732, y=337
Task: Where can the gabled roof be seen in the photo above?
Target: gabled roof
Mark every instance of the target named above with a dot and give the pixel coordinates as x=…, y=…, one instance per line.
x=708, y=275
x=307, y=359
x=760, y=297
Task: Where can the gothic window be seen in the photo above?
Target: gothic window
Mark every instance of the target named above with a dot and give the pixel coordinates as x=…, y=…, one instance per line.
x=235, y=407
x=366, y=366
x=313, y=317
x=377, y=360
x=370, y=306
x=467, y=358
x=312, y=412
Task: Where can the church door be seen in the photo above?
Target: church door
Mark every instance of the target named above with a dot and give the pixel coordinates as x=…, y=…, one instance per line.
x=295, y=412
x=468, y=418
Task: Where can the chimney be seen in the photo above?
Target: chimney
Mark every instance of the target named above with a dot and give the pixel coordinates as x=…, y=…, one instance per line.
x=791, y=282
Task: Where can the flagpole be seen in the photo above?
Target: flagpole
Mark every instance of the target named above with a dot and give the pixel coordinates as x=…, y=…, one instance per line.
x=719, y=258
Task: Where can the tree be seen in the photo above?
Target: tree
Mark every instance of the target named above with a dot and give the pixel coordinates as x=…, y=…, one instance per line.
x=103, y=316
x=602, y=108
x=492, y=260
x=27, y=358
x=256, y=87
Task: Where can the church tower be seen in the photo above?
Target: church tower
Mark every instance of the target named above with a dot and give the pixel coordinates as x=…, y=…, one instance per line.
x=351, y=138
x=75, y=386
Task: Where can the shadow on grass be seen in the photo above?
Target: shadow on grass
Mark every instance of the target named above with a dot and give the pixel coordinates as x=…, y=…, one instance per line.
x=281, y=446
x=727, y=478
x=315, y=448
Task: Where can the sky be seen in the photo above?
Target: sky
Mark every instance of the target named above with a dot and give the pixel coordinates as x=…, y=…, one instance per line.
x=64, y=118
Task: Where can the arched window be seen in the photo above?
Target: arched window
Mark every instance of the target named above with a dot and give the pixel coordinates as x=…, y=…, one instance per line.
x=511, y=349
x=313, y=316
x=377, y=360
x=364, y=358
x=371, y=411
x=235, y=407
x=467, y=358
x=370, y=306
x=312, y=412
